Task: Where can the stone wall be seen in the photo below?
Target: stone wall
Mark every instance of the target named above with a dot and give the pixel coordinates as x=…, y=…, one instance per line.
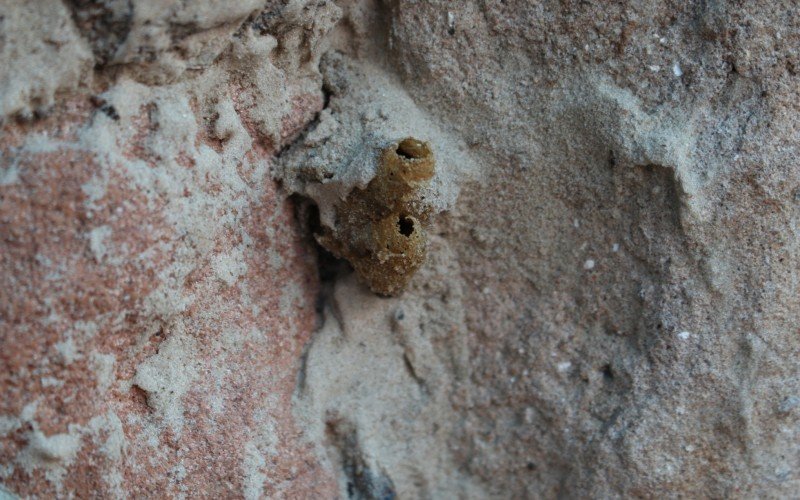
x=609, y=305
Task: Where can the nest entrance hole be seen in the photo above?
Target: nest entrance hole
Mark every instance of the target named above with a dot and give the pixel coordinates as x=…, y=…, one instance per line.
x=412, y=149
x=406, y=225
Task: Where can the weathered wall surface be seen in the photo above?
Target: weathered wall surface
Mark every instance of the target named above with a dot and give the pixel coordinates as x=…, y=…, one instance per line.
x=632, y=252
x=156, y=292
x=609, y=305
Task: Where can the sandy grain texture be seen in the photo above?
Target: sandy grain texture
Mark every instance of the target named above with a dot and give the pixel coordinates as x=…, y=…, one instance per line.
x=608, y=307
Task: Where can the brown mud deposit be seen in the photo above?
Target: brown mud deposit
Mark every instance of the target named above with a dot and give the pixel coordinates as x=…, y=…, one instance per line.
x=380, y=230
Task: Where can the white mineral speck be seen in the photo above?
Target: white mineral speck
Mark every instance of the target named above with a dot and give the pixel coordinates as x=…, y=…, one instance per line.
x=530, y=415
x=676, y=70
x=589, y=264
x=684, y=335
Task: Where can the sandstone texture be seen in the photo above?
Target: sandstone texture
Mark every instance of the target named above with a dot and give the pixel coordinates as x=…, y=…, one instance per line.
x=609, y=302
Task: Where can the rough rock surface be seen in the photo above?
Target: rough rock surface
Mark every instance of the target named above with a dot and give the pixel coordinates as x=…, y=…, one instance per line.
x=609, y=306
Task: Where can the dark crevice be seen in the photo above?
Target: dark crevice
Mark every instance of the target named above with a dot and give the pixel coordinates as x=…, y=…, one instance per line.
x=104, y=26
x=363, y=481
x=108, y=109
x=326, y=96
x=264, y=21
x=327, y=93
x=302, y=371
x=329, y=267
x=608, y=373
x=411, y=371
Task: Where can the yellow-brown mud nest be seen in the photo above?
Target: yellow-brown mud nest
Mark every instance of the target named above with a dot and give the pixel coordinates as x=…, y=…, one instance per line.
x=380, y=230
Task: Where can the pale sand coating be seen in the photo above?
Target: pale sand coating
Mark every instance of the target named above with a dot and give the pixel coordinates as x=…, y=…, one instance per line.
x=606, y=305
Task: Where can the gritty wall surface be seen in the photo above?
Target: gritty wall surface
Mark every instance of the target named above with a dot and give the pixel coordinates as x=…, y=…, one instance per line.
x=609, y=306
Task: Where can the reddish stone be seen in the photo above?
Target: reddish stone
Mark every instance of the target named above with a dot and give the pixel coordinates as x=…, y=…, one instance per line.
x=52, y=282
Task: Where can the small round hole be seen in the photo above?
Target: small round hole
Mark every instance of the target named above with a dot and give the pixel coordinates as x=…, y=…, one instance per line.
x=406, y=226
x=412, y=149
